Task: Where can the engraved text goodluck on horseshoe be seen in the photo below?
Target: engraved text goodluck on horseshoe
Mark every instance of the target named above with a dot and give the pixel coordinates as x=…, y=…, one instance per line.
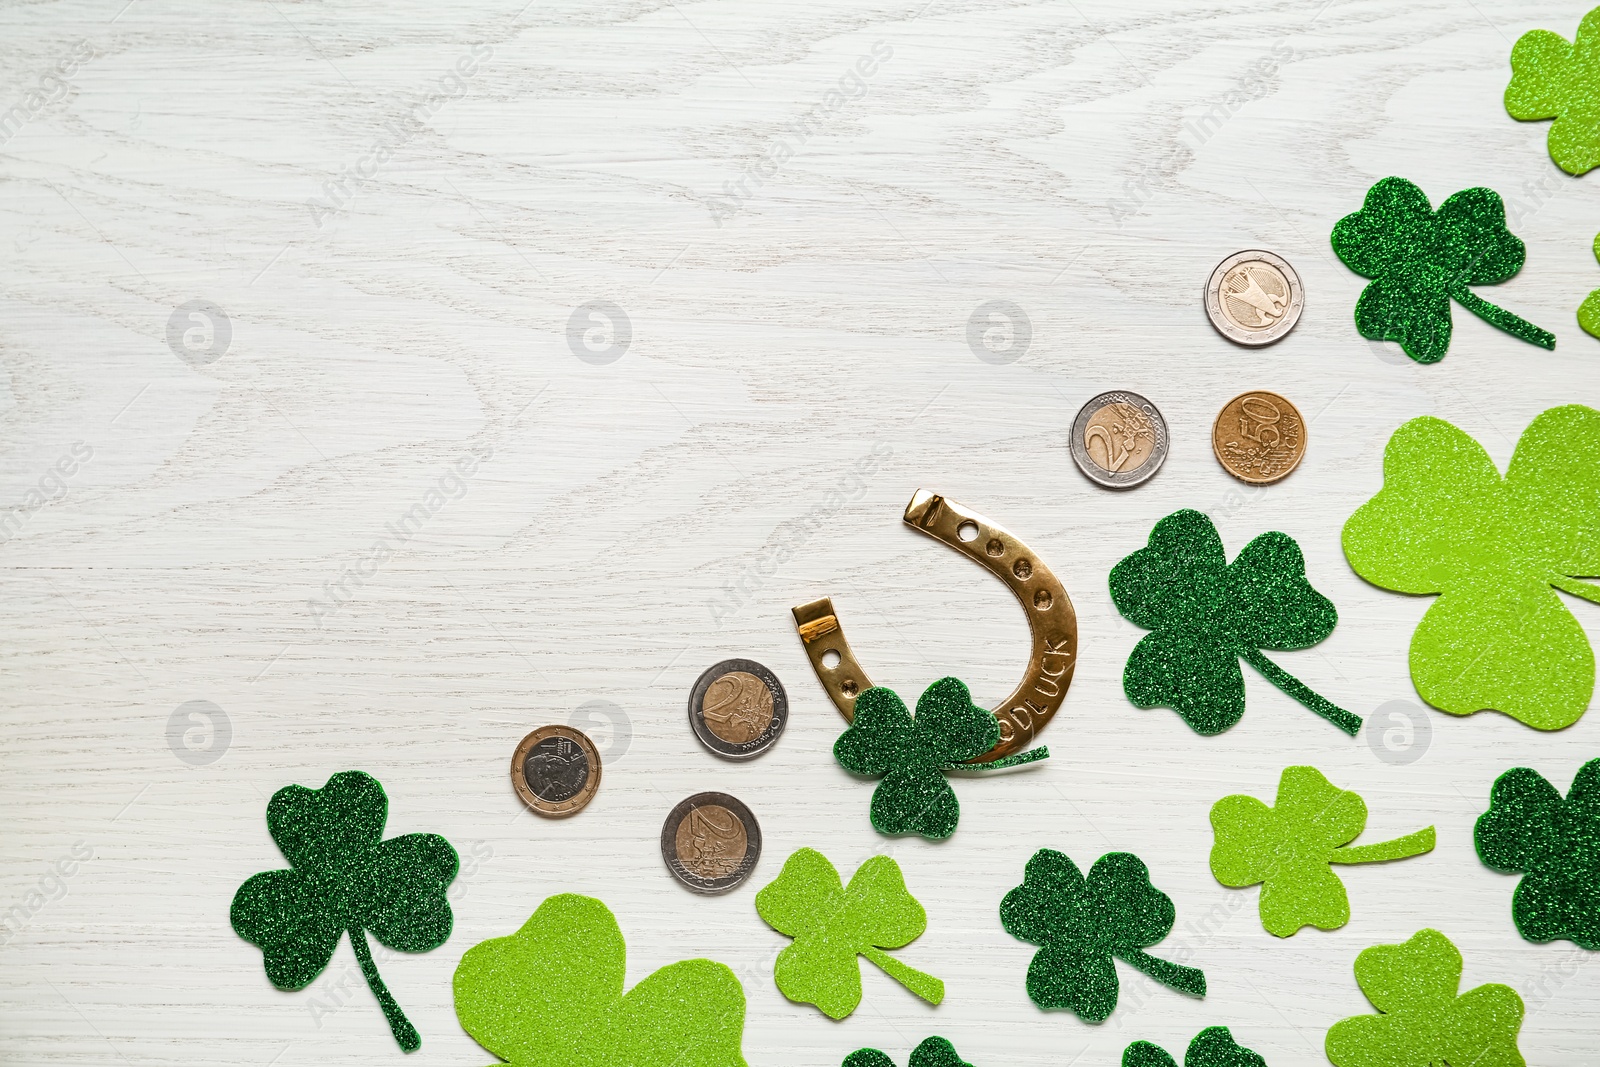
x=1051, y=620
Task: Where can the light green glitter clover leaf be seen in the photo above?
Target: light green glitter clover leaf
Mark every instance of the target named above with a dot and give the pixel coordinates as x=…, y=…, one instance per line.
x=1420, y=260
x=1589, y=310
x=832, y=924
x=911, y=754
x=343, y=878
x=1554, y=79
x=1422, y=1021
x=933, y=1052
x=1446, y=522
x=551, y=995
x=1287, y=849
x=1212, y=1047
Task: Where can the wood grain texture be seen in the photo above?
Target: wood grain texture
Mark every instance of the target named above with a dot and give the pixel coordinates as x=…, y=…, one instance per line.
x=398, y=247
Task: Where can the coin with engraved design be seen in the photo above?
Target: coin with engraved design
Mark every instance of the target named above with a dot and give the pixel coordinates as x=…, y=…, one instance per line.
x=738, y=708
x=711, y=842
x=1119, y=440
x=1254, y=297
x=556, y=771
x=1259, y=437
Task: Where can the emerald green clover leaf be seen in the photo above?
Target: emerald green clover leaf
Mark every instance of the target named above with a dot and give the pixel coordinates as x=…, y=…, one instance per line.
x=1446, y=522
x=1552, y=79
x=1589, y=310
x=832, y=924
x=1287, y=849
x=551, y=995
x=345, y=879
x=1422, y=1022
x=933, y=1052
x=1420, y=259
x=912, y=754
x=1531, y=831
x=1206, y=613
x=1081, y=924
x=1212, y=1047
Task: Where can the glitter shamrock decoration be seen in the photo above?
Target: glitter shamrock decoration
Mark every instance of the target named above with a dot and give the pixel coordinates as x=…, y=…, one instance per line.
x=933, y=1052
x=1446, y=522
x=1420, y=259
x=1212, y=1047
x=1530, y=830
x=832, y=924
x=345, y=879
x=1422, y=1020
x=1287, y=849
x=1081, y=924
x=551, y=995
x=1206, y=613
x=911, y=754
x=1589, y=310
x=1552, y=79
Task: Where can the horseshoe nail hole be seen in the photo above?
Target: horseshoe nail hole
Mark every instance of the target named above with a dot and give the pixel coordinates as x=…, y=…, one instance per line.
x=967, y=531
x=849, y=687
x=830, y=659
x=995, y=547
x=1022, y=569
x=1041, y=600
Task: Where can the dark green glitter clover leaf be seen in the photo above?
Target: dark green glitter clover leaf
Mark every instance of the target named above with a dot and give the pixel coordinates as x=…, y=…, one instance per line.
x=1212, y=1047
x=1420, y=259
x=1552, y=79
x=345, y=879
x=552, y=995
x=933, y=1052
x=1446, y=522
x=1555, y=845
x=1206, y=613
x=1422, y=1021
x=912, y=754
x=832, y=924
x=1287, y=849
x=1081, y=924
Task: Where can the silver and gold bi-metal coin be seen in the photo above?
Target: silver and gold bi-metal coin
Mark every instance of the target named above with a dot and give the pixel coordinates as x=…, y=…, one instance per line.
x=738, y=708
x=556, y=771
x=711, y=842
x=1119, y=440
x=1254, y=297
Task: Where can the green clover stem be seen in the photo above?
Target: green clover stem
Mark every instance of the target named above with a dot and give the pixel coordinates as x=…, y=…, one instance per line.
x=1173, y=975
x=1500, y=318
x=1575, y=587
x=399, y=1025
x=1344, y=720
x=925, y=986
x=1398, y=849
x=1006, y=761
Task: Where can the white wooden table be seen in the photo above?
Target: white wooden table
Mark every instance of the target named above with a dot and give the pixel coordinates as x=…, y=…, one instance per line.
x=395, y=210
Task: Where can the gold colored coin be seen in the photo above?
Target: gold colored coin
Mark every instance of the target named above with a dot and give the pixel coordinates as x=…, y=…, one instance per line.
x=737, y=707
x=712, y=842
x=1259, y=437
x=556, y=771
x=1119, y=437
x=1254, y=297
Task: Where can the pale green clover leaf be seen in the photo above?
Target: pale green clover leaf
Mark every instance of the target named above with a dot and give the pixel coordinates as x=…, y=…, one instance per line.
x=1423, y=1023
x=1287, y=849
x=1446, y=522
x=551, y=995
x=1554, y=79
x=1589, y=310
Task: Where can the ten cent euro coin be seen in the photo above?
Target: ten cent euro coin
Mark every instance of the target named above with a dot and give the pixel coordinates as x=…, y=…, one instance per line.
x=1259, y=437
x=556, y=771
x=738, y=708
x=711, y=842
x=1254, y=297
x=1119, y=440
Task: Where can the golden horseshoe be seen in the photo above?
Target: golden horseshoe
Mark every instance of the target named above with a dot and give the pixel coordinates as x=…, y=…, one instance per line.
x=1051, y=620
